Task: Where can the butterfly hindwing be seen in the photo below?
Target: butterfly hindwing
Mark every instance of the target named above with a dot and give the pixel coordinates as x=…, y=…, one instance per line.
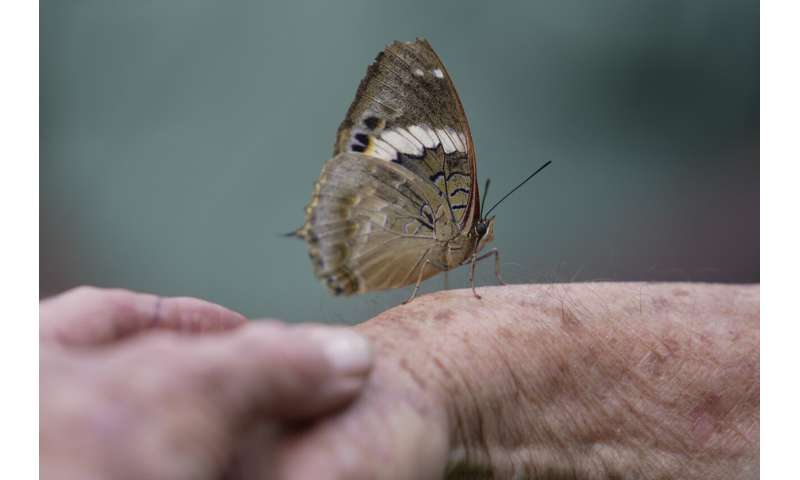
x=369, y=226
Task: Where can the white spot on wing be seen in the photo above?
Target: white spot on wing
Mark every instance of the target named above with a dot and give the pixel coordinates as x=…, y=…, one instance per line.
x=461, y=146
x=401, y=143
x=418, y=72
x=431, y=134
x=389, y=152
x=376, y=151
x=411, y=138
x=437, y=73
x=447, y=143
x=424, y=134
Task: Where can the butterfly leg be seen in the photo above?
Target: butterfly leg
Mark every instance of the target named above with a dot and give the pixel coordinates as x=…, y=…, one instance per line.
x=419, y=281
x=496, y=254
x=475, y=259
x=427, y=261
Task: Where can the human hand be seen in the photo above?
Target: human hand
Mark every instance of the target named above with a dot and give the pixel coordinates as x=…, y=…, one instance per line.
x=557, y=381
x=136, y=386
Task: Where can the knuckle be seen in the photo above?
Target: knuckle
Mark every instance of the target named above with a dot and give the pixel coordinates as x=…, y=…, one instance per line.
x=84, y=291
x=114, y=300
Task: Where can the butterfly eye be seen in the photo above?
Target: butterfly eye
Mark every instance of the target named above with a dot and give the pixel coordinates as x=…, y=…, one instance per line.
x=480, y=229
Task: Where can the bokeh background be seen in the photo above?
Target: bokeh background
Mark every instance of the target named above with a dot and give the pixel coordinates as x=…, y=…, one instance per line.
x=180, y=138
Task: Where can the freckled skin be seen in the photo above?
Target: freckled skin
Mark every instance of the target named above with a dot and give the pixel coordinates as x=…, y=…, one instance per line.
x=444, y=316
x=559, y=381
x=569, y=321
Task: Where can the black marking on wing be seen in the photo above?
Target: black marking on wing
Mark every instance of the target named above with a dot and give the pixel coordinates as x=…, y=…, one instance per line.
x=357, y=148
x=453, y=174
x=426, y=214
x=459, y=190
x=372, y=122
x=408, y=156
x=362, y=138
x=458, y=207
x=436, y=176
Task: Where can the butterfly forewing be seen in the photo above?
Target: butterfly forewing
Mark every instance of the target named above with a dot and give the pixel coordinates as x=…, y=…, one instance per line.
x=406, y=106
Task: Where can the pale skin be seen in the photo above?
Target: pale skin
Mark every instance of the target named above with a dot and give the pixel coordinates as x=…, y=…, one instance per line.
x=133, y=386
x=549, y=381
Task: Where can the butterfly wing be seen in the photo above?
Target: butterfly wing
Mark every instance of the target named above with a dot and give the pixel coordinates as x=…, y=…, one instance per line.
x=369, y=225
x=406, y=107
x=396, y=201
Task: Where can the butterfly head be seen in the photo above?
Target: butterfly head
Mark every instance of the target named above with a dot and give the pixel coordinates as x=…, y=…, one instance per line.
x=484, y=232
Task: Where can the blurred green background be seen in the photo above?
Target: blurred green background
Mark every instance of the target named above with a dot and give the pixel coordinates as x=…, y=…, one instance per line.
x=179, y=138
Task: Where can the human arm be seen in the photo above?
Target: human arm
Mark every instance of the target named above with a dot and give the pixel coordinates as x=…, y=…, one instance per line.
x=553, y=381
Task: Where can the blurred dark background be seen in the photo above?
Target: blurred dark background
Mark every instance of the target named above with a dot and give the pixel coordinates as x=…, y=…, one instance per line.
x=178, y=139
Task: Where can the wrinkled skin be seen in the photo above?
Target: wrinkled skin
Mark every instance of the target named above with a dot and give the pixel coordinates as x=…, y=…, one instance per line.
x=557, y=381
x=560, y=381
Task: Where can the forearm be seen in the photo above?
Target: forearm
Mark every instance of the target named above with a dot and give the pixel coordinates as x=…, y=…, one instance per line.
x=595, y=380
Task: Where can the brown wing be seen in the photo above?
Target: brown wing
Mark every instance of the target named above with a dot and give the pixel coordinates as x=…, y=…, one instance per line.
x=370, y=225
x=406, y=106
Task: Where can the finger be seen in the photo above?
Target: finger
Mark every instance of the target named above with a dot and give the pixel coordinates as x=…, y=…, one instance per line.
x=93, y=316
x=276, y=371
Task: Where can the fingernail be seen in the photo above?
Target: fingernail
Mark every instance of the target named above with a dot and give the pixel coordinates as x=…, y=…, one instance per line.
x=348, y=352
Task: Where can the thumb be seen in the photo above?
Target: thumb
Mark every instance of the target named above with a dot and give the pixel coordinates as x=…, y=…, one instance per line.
x=279, y=372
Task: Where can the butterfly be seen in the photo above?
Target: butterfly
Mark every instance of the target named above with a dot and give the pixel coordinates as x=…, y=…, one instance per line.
x=399, y=203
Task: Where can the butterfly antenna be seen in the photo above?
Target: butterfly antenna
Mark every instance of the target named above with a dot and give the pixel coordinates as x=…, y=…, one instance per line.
x=515, y=188
x=485, y=195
